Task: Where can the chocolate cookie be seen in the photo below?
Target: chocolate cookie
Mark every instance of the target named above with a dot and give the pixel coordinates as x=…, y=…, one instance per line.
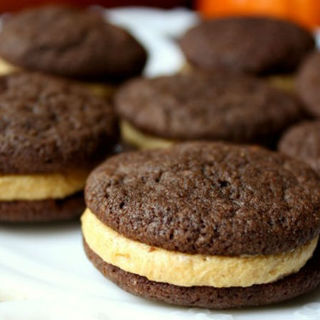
x=308, y=82
x=51, y=132
x=205, y=207
x=302, y=142
x=70, y=42
x=46, y=123
x=42, y=210
x=228, y=107
x=257, y=45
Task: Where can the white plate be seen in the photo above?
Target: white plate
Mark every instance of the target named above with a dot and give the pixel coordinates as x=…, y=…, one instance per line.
x=44, y=273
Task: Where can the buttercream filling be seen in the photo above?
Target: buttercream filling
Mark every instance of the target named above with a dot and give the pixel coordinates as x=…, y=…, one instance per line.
x=99, y=89
x=7, y=68
x=15, y=187
x=182, y=269
x=135, y=137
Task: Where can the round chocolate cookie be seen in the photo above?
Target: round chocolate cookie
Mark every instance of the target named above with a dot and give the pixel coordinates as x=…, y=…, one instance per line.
x=70, y=42
x=47, y=123
x=308, y=82
x=200, y=208
x=208, y=198
x=52, y=133
x=307, y=279
x=227, y=107
x=256, y=45
x=302, y=142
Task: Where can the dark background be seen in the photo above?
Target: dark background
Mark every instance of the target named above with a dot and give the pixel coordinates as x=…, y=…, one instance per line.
x=12, y=5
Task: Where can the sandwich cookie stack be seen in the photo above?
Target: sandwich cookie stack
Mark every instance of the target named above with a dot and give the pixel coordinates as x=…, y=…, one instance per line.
x=205, y=224
x=262, y=46
x=302, y=141
x=222, y=106
x=52, y=133
x=308, y=82
x=70, y=42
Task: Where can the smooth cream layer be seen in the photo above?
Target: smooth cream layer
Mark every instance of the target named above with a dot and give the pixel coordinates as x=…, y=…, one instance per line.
x=284, y=82
x=41, y=186
x=99, y=89
x=7, y=68
x=141, y=140
x=187, y=270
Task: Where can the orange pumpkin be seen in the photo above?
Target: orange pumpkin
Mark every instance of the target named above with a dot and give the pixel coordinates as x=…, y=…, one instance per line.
x=306, y=12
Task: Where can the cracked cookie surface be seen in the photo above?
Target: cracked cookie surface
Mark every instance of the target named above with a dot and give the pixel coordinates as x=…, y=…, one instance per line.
x=51, y=125
x=225, y=107
x=208, y=198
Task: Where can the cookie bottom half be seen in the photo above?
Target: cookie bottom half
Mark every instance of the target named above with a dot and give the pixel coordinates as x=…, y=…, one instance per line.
x=42, y=210
x=307, y=279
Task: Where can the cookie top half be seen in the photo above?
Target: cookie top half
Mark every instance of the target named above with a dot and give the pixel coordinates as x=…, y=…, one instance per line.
x=194, y=106
x=302, y=142
x=48, y=125
x=208, y=198
x=251, y=44
x=308, y=83
x=70, y=42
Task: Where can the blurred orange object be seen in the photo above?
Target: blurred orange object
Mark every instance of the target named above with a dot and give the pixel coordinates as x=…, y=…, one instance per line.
x=306, y=12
